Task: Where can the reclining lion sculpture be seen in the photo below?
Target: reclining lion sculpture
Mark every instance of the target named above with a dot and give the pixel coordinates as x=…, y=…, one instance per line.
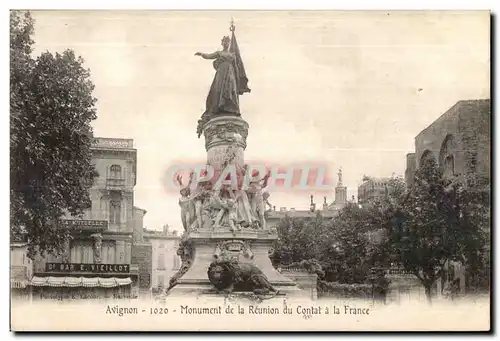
x=230, y=275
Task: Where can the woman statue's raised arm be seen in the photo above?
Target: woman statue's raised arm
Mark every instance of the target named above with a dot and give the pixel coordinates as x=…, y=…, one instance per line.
x=206, y=55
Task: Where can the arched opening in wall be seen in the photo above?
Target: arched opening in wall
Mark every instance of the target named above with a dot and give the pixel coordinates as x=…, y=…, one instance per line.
x=427, y=157
x=115, y=172
x=447, y=156
x=449, y=166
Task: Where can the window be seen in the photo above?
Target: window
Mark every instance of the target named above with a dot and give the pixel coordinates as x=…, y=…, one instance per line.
x=103, y=207
x=108, y=251
x=115, y=211
x=94, y=166
x=115, y=172
x=82, y=251
x=161, y=261
x=161, y=246
x=177, y=263
x=161, y=281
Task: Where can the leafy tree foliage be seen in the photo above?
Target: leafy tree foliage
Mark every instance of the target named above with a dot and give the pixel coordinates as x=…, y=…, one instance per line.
x=297, y=240
x=51, y=107
x=437, y=221
x=344, y=253
x=422, y=228
x=346, y=247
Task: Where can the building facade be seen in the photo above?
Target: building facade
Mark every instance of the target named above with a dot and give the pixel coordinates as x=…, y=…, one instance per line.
x=97, y=260
x=372, y=188
x=165, y=261
x=141, y=253
x=21, y=270
x=328, y=210
x=459, y=142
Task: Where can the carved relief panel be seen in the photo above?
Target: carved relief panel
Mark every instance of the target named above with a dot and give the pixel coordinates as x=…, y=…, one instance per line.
x=233, y=250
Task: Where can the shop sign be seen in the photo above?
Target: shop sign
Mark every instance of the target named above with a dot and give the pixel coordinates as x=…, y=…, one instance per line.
x=85, y=224
x=88, y=268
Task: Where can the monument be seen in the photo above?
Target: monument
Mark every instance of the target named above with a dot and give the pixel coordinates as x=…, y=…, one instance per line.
x=226, y=244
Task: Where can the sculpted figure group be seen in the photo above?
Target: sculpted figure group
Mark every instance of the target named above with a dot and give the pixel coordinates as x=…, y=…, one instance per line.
x=210, y=208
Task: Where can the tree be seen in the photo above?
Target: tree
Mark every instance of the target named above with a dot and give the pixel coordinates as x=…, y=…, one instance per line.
x=51, y=108
x=432, y=225
x=346, y=248
x=355, y=244
x=297, y=240
x=473, y=206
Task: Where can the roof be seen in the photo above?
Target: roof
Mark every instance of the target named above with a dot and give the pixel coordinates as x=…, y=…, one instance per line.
x=140, y=209
x=116, y=144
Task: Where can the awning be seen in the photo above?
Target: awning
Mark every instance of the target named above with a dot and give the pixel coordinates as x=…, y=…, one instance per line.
x=89, y=282
x=18, y=284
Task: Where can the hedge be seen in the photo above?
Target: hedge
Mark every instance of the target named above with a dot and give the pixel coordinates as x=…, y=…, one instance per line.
x=344, y=290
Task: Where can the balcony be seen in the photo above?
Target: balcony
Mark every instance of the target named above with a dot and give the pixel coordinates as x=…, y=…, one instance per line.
x=114, y=184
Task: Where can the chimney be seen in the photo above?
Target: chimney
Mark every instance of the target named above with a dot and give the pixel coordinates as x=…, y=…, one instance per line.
x=165, y=229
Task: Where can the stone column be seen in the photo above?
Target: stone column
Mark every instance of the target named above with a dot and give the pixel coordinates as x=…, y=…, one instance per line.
x=222, y=133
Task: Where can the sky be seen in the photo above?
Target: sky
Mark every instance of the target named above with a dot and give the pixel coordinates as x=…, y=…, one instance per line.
x=344, y=89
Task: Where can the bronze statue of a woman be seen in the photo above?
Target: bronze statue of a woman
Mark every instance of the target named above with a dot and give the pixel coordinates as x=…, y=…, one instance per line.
x=229, y=82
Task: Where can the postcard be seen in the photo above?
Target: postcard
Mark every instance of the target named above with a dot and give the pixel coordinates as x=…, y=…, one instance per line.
x=250, y=170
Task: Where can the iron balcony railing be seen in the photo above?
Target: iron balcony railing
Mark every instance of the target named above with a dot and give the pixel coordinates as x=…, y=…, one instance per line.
x=115, y=184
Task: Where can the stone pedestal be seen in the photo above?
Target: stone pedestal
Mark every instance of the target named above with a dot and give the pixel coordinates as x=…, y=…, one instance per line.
x=225, y=143
x=246, y=246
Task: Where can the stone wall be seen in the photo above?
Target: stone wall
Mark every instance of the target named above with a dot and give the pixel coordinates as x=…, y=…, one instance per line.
x=305, y=281
x=411, y=165
x=404, y=287
x=468, y=126
x=468, y=123
x=138, y=233
x=142, y=256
